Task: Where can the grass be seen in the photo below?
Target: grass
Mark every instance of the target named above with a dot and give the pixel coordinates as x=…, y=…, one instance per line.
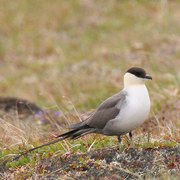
x=71, y=55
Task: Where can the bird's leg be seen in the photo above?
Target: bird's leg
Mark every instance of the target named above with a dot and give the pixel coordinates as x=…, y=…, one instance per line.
x=119, y=140
x=130, y=135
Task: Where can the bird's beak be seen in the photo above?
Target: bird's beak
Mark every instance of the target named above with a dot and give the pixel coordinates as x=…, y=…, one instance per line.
x=148, y=77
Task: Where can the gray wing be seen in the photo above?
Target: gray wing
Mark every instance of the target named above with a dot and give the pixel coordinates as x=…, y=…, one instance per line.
x=106, y=111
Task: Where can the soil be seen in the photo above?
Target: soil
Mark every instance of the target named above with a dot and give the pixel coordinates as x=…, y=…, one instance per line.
x=112, y=164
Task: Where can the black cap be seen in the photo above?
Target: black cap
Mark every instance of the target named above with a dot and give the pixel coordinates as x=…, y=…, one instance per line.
x=139, y=72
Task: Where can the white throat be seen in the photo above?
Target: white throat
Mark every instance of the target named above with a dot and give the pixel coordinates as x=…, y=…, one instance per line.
x=132, y=80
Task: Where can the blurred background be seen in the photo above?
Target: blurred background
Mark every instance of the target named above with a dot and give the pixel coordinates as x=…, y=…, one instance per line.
x=59, y=60
x=80, y=49
x=71, y=55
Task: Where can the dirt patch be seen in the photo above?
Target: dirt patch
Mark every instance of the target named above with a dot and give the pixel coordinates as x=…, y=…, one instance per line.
x=111, y=164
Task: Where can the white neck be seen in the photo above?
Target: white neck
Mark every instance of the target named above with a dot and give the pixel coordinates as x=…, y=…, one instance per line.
x=132, y=80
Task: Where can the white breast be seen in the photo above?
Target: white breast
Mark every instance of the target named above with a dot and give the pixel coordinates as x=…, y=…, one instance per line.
x=136, y=110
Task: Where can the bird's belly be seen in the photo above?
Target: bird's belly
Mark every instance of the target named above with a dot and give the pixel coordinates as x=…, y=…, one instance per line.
x=131, y=122
x=132, y=116
x=129, y=118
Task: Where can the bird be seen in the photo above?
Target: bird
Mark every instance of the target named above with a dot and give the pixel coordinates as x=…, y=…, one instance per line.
x=116, y=116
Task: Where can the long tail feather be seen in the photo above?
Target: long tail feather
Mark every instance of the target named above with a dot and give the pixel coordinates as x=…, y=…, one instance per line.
x=63, y=136
x=30, y=150
x=73, y=134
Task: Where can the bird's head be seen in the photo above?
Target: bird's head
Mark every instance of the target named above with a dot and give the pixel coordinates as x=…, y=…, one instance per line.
x=135, y=76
